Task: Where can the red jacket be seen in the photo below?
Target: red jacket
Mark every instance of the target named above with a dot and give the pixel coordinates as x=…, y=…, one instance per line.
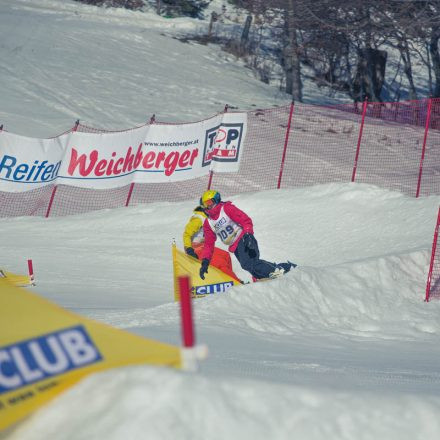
x=234, y=214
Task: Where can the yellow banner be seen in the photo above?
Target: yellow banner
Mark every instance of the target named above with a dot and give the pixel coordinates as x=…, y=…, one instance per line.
x=15, y=279
x=45, y=349
x=215, y=280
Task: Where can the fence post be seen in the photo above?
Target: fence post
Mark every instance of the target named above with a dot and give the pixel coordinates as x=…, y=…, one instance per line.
x=130, y=191
x=431, y=264
x=425, y=138
x=364, y=111
x=286, y=141
x=52, y=196
x=211, y=173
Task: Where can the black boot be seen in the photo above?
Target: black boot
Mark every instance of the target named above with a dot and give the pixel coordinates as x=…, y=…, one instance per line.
x=286, y=266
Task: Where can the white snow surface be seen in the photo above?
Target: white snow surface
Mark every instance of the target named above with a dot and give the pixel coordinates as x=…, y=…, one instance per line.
x=112, y=68
x=342, y=347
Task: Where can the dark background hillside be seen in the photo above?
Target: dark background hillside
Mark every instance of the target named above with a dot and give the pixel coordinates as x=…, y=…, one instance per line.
x=362, y=49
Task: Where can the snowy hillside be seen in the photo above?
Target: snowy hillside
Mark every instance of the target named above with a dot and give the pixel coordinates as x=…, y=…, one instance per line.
x=343, y=347
x=111, y=68
x=345, y=339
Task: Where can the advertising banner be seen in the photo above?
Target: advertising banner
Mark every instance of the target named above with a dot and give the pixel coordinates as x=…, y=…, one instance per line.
x=153, y=153
x=45, y=349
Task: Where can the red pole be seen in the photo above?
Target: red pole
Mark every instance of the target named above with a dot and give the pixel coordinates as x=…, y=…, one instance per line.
x=364, y=111
x=129, y=194
x=286, y=141
x=188, y=338
x=130, y=191
x=52, y=197
x=210, y=179
x=31, y=270
x=425, y=138
x=211, y=173
x=431, y=264
x=51, y=201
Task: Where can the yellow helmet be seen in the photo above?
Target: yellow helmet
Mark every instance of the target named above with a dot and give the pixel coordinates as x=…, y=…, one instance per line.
x=210, y=199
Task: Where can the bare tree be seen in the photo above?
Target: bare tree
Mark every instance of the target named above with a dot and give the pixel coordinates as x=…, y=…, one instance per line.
x=345, y=43
x=291, y=56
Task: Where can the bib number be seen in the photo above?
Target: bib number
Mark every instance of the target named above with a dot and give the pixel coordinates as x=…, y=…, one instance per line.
x=225, y=234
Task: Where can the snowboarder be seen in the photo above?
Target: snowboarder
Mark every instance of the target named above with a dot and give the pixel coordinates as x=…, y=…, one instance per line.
x=235, y=229
x=193, y=243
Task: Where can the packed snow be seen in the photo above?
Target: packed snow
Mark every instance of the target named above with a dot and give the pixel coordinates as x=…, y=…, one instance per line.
x=342, y=347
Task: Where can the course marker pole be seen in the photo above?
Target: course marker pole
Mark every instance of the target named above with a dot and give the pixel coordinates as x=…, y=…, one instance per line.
x=191, y=353
x=186, y=312
x=31, y=270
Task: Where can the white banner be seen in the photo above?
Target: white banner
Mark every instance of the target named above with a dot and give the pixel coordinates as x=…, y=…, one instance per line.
x=150, y=154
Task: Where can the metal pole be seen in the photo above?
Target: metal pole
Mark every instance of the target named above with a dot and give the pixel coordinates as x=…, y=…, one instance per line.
x=364, y=111
x=129, y=194
x=211, y=173
x=52, y=196
x=286, y=141
x=425, y=138
x=431, y=264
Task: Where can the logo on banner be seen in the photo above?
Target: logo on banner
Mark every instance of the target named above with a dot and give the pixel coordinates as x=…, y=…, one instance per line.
x=212, y=288
x=222, y=143
x=45, y=356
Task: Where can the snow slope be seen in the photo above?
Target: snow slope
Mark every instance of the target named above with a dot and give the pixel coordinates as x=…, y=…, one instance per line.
x=343, y=347
x=111, y=68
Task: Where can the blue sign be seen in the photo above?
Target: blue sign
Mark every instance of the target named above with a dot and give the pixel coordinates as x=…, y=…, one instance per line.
x=213, y=288
x=46, y=356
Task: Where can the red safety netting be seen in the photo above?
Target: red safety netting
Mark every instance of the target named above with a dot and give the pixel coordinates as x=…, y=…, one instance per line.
x=261, y=158
x=321, y=147
x=433, y=281
x=34, y=202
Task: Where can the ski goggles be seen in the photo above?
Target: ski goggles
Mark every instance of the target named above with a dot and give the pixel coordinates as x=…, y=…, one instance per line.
x=208, y=204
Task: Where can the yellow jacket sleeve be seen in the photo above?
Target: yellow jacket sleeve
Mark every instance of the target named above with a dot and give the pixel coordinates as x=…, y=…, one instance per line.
x=192, y=227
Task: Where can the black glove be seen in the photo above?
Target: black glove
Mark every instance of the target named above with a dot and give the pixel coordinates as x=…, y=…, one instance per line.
x=204, y=268
x=250, y=245
x=191, y=252
x=247, y=240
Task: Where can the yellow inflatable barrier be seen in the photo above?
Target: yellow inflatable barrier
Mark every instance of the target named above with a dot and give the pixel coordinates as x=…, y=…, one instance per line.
x=17, y=280
x=45, y=349
x=215, y=280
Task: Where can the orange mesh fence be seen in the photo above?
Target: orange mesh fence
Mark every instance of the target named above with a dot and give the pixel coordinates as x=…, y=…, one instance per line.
x=390, y=152
x=261, y=158
x=34, y=202
x=433, y=281
x=322, y=146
